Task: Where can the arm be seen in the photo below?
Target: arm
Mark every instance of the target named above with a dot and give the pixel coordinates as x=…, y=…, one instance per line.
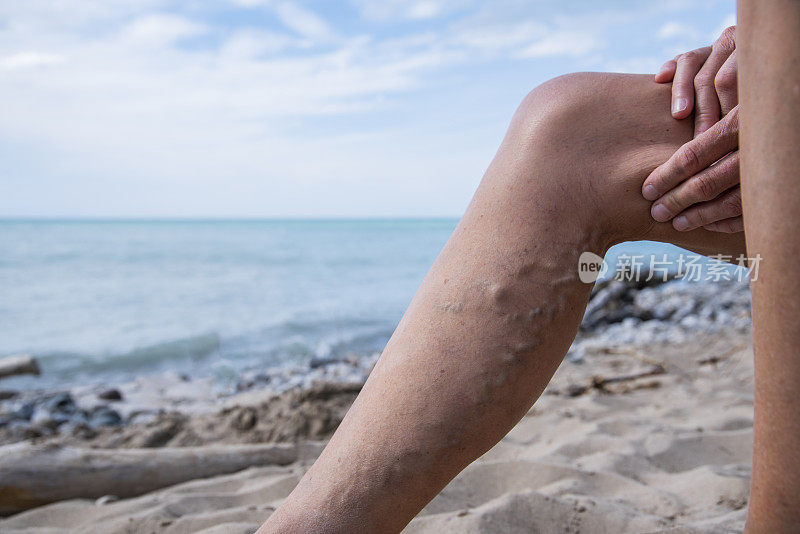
x=770, y=112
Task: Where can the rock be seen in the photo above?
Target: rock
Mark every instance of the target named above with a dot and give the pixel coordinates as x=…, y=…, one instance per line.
x=142, y=417
x=24, y=412
x=111, y=394
x=106, y=499
x=6, y=394
x=322, y=362
x=244, y=419
x=105, y=416
x=19, y=364
x=23, y=430
x=43, y=418
x=61, y=402
x=79, y=429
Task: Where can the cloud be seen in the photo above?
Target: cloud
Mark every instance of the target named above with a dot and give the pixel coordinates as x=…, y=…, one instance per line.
x=677, y=30
x=562, y=43
x=27, y=60
x=303, y=21
x=389, y=10
x=159, y=30
x=277, y=103
x=727, y=22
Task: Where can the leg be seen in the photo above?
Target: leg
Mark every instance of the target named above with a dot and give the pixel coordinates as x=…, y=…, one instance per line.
x=770, y=115
x=500, y=306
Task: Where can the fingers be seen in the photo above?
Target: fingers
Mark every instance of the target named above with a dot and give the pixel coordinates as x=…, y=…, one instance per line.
x=667, y=72
x=728, y=226
x=725, y=83
x=711, y=87
x=694, y=156
x=707, y=106
x=687, y=67
x=702, y=187
x=725, y=207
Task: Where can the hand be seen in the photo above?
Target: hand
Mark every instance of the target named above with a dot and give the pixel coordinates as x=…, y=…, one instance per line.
x=699, y=184
x=704, y=81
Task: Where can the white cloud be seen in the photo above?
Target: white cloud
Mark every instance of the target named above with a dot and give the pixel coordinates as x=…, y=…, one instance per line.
x=424, y=10
x=677, y=30
x=562, y=43
x=160, y=30
x=727, y=22
x=26, y=60
x=252, y=44
x=386, y=10
x=499, y=37
x=302, y=21
x=262, y=107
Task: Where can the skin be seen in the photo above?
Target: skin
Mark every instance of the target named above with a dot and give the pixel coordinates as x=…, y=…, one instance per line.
x=701, y=180
x=498, y=310
x=704, y=82
x=770, y=113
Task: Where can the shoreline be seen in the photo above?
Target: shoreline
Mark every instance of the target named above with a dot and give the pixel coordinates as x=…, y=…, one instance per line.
x=619, y=314
x=646, y=426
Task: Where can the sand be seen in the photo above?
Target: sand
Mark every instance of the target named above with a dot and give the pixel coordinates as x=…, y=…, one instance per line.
x=635, y=439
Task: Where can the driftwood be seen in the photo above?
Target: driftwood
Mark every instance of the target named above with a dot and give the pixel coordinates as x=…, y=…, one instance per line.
x=33, y=475
x=600, y=383
x=19, y=364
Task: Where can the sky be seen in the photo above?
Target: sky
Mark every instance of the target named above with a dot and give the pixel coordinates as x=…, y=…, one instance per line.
x=289, y=108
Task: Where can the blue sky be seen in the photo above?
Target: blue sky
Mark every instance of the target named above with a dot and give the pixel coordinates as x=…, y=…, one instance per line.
x=273, y=108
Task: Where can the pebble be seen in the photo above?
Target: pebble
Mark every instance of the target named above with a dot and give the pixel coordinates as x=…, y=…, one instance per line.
x=105, y=416
x=618, y=313
x=112, y=394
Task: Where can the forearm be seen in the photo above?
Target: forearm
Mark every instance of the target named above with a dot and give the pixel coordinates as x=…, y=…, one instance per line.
x=770, y=113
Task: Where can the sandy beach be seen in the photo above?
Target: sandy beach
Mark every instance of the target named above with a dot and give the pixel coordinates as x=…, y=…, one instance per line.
x=638, y=435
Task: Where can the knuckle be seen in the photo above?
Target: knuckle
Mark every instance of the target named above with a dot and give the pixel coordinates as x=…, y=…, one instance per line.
x=687, y=159
x=732, y=204
x=703, y=187
x=690, y=57
x=725, y=79
x=728, y=226
x=706, y=116
x=699, y=217
x=703, y=78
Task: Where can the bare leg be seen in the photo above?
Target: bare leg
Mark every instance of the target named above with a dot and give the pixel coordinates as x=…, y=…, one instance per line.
x=770, y=149
x=499, y=308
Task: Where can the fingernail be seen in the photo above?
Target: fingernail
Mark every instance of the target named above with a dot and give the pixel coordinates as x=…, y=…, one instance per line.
x=661, y=213
x=681, y=223
x=650, y=192
x=679, y=105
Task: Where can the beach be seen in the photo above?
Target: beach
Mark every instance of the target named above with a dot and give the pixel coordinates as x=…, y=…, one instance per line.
x=646, y=427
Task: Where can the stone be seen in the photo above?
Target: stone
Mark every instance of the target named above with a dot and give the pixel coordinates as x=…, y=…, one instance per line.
x=111, y=394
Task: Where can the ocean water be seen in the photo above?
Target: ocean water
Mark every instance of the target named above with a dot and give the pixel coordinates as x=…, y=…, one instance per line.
x=106, y=301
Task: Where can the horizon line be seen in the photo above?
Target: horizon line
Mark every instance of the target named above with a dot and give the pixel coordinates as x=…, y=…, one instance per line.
x=201, y=218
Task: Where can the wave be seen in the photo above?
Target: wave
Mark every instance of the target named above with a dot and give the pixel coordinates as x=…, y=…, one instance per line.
x=158, y=355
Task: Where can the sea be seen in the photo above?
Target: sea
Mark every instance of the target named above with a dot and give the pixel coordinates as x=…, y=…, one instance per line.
x=106, y=301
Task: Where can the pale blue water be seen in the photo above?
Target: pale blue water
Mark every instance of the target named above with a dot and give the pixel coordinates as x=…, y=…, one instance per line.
x=105, y=301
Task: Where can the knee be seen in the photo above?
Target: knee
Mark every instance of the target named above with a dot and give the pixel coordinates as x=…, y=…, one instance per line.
x=594, y=137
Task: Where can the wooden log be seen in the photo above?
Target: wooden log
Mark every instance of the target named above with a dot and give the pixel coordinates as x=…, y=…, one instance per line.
x=33, y=475
x=18, y=364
